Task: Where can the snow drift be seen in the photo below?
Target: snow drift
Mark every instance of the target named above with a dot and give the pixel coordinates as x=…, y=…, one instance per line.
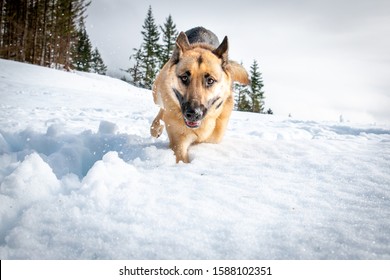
x=82, y=179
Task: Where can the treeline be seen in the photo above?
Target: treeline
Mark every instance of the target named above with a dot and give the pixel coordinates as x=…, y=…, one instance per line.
x=48, y=33
x=156, y=48
x=250, y=98
x=148, y=59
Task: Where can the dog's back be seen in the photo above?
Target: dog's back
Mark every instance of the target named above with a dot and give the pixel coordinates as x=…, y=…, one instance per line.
x=202, y=35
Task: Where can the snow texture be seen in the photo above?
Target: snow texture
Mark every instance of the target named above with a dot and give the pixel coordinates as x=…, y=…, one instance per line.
x=81, y=178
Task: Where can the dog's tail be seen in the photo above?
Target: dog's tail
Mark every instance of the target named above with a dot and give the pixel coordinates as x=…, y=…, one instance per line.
x=238, y=72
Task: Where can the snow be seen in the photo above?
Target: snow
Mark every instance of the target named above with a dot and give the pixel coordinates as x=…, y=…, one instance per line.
x=81, y=178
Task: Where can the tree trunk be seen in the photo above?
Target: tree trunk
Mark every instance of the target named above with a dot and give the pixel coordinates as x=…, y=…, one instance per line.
x=43, y=51
x=23, y=44
x=1, y=24
x=34, y=57
x=68, y=38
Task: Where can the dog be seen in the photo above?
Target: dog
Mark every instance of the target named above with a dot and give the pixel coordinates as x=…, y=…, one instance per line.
x=194, y=90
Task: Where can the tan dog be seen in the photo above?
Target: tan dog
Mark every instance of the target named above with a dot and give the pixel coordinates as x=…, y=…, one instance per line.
x=194, y=90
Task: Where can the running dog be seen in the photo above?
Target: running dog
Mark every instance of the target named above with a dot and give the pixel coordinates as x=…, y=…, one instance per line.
x=194, y=90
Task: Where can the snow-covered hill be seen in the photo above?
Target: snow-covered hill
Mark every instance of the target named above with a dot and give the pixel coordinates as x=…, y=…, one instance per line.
x=82, y=179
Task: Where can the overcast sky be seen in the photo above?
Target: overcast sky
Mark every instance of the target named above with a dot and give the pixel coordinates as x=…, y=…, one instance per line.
x=319, y=59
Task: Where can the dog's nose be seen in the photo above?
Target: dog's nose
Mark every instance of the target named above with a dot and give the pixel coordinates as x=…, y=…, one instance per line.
x=193, y=115
x=193, y=110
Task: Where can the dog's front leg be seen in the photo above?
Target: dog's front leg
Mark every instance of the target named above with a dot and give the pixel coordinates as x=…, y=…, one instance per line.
x=157, y=128
x=180, y=146
x=181, y=154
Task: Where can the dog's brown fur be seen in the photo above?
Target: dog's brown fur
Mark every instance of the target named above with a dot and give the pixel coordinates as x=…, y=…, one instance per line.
x=203, y=77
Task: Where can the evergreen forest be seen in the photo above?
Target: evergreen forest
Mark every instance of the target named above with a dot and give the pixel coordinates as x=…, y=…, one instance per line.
x=48, y=33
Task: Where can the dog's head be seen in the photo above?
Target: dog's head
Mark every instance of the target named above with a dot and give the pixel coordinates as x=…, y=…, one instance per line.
x=203, y=78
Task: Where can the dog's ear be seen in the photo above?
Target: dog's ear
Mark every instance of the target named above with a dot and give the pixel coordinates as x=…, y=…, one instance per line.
x=222, y=51
x=182, y=44
x=238, y=73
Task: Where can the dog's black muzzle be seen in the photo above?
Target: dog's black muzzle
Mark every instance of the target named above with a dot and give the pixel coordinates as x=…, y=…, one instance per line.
x=193, y=112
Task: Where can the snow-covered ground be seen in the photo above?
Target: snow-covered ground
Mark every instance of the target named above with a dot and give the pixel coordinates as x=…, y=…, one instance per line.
x=82, y=179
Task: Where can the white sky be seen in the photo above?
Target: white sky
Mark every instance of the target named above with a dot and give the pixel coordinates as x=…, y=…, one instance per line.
x=319, y=59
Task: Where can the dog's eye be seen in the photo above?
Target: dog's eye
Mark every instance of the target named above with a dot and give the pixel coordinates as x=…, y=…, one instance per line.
x=185, y=79
x=209, y=81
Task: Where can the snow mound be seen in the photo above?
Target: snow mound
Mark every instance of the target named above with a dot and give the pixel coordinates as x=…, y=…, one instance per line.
x=80, y=178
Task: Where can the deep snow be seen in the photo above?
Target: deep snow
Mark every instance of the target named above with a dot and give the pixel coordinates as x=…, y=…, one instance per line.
x=82, y=179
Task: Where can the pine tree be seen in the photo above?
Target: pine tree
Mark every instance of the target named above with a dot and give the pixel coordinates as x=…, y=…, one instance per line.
x=97, y=64
x=40, y=31
x=150, y=50
x=256, y=85
x=242, y=99
x=242, y=102
x=82, y=51
x=170, y=34
x=136, y=72
x=69, y=13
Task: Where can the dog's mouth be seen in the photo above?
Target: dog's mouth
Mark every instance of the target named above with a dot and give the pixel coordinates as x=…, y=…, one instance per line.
x=192, y=124
x=193, y=117
x=193, y=111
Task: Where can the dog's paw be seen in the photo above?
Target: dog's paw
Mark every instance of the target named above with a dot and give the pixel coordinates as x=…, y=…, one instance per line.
x=156, y=130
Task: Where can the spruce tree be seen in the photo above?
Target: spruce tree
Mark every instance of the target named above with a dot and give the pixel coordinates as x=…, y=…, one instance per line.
x=136, y=72
x=169, y=35
x=242, y=102
x=256, y=85
x=150, y=50
x=40, y=31
x=82, y=51
x=97, y=64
